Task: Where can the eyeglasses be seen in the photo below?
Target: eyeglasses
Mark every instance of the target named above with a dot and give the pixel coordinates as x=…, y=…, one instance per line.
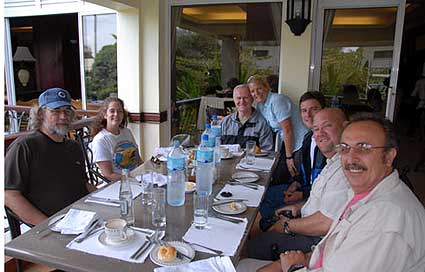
x=360, y=148
x=67, y=112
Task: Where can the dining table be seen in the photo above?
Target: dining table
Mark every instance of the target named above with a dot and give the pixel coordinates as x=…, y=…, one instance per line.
x=51, y=249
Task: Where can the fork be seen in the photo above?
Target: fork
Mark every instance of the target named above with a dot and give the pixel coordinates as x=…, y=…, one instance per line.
x=216, y=251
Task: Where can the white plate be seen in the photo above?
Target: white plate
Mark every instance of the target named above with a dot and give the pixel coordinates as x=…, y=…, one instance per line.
x=187, y=186
x=57, y=219
x=226, y=209
x=229, y=156
x=180, y=246
x=262, y=154
x=105, y=241
x=245, y=177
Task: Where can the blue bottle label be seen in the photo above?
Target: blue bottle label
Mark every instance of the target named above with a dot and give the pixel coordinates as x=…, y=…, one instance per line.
x=216, y=130
x=176, y=163
x=204, y=156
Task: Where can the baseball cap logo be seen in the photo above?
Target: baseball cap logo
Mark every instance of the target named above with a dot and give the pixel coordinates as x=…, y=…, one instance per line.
x=62, y=94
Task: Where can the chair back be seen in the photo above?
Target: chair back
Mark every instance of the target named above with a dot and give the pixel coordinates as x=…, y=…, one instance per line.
x=83, y=137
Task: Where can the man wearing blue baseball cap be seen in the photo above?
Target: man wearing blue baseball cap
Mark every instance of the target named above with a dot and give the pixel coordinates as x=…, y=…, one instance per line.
x=44, y=171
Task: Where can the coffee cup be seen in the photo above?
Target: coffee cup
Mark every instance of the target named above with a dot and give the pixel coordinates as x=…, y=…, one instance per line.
x=116, y=230
x=224, y=151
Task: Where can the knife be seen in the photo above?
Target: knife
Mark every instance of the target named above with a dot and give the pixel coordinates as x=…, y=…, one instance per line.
x=102, y=199
x=228, y=201
x=51, y=223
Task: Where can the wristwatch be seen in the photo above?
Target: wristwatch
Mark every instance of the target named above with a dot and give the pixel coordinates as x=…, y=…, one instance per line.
x=295, y=267
x=286, y=229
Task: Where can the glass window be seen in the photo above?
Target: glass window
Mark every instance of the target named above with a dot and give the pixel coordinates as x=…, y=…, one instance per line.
x=216, y=47
x=100, y=56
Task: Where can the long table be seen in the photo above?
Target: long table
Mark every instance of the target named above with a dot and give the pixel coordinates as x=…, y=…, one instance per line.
x=51, y=250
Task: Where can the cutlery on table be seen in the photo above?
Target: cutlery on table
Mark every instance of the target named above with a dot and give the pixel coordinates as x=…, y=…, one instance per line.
x=90, y=231
x=141, y=250
x=227, y=201
x=250, y=186
x=216, y=251
x=102, y=199
x=50, y=224
x=253, y=168
x=229, y=219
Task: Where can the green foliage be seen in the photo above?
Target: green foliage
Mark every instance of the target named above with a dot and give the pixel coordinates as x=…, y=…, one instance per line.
x=340, y=68
x=248, y=66
x=102, y=79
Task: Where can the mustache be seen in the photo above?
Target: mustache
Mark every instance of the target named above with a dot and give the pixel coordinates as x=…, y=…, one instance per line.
x=355, y=166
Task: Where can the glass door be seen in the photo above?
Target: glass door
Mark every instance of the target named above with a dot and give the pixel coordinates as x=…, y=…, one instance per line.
x=356, y=53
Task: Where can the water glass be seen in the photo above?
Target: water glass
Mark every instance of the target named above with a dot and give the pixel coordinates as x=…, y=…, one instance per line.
x=200, y=209
x=147, y=187
x=250, y=152
x=159, y=219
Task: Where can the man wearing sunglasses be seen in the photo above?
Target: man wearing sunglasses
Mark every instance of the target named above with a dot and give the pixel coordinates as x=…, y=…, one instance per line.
x=44, y=171
x=382, y=226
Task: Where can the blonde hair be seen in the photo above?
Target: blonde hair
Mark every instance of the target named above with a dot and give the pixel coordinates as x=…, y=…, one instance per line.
x=259, y=79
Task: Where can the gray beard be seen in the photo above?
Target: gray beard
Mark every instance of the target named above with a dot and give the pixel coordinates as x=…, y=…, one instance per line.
x=59, y=131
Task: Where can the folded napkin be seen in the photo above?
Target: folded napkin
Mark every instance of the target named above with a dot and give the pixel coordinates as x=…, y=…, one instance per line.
x=92, y=245
x=112, y=192
x=76, y=221
x=213, y=264
x=261, y=164
x=219, y=234
x=242, y=192
x=234, y=148
x=158, y=179
x=162, y=152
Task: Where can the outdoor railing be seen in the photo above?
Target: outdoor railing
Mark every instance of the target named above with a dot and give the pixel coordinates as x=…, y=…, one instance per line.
x=185, y=116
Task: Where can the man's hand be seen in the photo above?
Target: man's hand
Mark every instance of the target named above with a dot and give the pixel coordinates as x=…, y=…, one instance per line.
x=290, y=163
x=292, y=257
x=292, y=197
x=295, y=209
x=293, y=187
x=278, y=226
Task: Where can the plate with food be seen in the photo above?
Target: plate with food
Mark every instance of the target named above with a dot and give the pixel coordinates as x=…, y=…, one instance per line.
x=166, y=255
x=230, y=208
x=189, y=186
x=245, y=177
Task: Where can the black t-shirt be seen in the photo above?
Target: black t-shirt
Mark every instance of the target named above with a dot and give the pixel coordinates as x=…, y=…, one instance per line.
x=48, y=174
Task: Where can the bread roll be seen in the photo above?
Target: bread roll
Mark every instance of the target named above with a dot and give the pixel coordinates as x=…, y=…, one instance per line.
x=167, y=253
x=257, y=150
x=234, y=206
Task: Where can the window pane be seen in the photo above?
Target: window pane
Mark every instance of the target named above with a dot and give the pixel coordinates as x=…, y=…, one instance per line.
x=100, y=56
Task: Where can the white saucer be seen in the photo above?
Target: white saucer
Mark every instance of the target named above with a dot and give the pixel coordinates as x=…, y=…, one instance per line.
x=188, y=184
x=106, y=242
x=262, y=154
x=245, y=177
x=57, y=219
x=225, y=208
x=180, y=246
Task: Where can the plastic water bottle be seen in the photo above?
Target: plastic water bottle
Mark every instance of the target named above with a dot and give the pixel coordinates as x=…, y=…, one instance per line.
x=126, y=199
x=176, y=166
x=204, y=166
x=217, y=158
x=215, y=126
x=211, y=138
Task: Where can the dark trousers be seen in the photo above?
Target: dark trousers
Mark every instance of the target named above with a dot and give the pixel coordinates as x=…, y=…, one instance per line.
x=281, y=173
x=268, y=245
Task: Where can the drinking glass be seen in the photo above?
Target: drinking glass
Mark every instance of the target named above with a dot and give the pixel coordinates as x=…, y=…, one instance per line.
x=147, y=187
x=250, y=152
x=159, y=219
x=200, y=209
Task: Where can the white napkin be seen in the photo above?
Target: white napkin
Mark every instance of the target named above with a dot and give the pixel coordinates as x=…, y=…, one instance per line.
x=261, y=164
x=113, y=192
x=213, y=264
x=159, y=179
x=234, y=148
x=93, y=246
x=162, y=152
x=219, y=234
x=242, y=192
x=76, y=221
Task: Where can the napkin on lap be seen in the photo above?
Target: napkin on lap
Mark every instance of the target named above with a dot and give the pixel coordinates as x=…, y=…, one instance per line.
x=76, y=221
x=213, y=264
